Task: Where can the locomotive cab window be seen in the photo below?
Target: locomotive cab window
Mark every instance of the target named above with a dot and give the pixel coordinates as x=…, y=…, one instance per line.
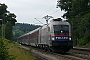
x=61, y=29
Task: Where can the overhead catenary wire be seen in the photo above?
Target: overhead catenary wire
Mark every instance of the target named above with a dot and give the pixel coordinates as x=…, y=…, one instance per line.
x=38, y=21
x=54, y=12
x=46, y=11
x=43, y=14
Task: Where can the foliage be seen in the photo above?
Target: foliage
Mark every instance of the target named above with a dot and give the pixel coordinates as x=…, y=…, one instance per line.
x=4, y=55
x=77, y=12
x=5, y=18
x=88, y=44
x=8, y=31
x=81, y=42
x=22, y=28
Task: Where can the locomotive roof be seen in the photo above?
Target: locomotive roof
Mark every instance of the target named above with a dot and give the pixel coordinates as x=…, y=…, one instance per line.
x=58, y=19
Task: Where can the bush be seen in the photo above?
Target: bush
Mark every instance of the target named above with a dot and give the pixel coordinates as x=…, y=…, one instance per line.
x=81, y=42
x=4, y=55
x=88, y=44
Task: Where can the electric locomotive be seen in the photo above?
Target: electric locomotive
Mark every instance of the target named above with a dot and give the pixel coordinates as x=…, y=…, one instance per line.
x=55, y=36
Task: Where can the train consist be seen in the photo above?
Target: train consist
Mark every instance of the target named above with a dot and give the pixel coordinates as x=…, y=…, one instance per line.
x=55, y=36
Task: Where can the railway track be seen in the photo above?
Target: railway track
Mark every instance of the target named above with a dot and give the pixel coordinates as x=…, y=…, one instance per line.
x=73, y=54
x=81, y=49
x=81, y=52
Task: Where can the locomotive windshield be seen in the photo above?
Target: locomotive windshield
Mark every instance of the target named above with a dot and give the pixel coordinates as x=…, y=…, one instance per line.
x=61, y=29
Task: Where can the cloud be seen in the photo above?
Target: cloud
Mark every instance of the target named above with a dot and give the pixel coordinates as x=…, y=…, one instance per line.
x=27, y=10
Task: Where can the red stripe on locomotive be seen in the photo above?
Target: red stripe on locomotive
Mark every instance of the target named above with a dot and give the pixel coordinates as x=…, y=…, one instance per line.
x=61, y=34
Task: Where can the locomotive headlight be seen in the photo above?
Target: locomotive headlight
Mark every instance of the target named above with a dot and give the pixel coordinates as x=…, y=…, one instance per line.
x=70, y=38
x=61, y=31
x=53, y=38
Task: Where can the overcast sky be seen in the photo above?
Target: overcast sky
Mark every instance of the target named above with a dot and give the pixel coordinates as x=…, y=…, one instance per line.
x=27, y=10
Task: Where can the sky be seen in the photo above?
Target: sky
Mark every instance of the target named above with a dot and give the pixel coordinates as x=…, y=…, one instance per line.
x=27, y=10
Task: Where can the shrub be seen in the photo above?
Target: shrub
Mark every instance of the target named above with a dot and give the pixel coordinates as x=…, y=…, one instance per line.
x=4, y=55
x=88, y=44
x=81, y=42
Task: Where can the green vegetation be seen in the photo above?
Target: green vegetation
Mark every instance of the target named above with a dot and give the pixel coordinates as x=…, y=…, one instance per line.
x=77, y=12
x=22, y=28
x=4, y=54
x=9, y=50
x=7, y=21
x=12, y=51
x=19, y=53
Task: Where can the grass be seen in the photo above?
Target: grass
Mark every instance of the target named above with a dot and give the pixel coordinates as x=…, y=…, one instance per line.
x=18, y=53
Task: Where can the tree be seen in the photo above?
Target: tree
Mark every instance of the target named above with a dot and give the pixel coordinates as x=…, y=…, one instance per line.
x=11, y=18
x=6, y=18
x=74, y=8
x=65, y=5
x=8, y=29
x=77, y=12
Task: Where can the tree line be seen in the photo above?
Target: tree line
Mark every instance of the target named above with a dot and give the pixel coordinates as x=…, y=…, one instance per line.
x=77, y=13
x=22, y=28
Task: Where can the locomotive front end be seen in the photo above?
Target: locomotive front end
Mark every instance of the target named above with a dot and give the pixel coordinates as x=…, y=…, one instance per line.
x=61, y=37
